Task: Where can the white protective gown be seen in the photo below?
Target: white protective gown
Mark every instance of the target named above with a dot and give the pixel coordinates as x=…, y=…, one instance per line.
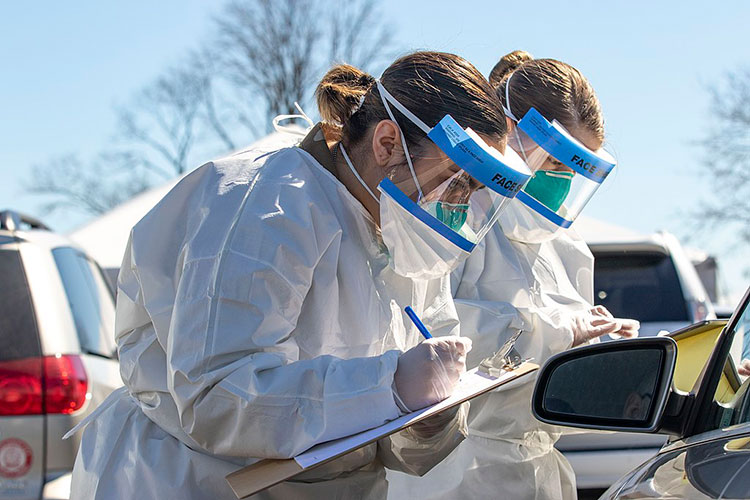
x=522, y=276
x=256, y=317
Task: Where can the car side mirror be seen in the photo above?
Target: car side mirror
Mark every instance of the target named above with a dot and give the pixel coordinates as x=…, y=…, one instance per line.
x=621, y=386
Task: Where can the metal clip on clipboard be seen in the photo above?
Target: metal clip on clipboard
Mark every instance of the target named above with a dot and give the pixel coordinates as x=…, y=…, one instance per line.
x=507, y=358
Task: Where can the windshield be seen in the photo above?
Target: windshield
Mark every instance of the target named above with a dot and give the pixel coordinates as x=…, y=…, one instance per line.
x=730, y=401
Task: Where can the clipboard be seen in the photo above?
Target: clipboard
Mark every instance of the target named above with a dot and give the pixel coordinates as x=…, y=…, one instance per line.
x=266, y=473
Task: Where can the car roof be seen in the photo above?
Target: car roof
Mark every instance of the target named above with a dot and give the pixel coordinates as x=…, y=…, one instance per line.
x=16, y=227
x=605, y=236
x=42, y=238
x=652, y=242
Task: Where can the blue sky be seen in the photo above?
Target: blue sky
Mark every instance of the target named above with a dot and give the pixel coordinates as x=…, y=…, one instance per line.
x=66, y=65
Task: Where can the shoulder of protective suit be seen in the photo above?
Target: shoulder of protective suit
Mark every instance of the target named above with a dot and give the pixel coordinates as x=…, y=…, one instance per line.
x=248, y=167
x=279, y=167
x=283, y=183
x=257, y=184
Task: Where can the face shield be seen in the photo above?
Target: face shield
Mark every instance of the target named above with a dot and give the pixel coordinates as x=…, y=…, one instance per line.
x=458, y=187
x=566, y=173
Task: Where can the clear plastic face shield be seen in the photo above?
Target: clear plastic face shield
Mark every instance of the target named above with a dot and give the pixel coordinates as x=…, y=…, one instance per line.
x=566, y=173
x=458, y=185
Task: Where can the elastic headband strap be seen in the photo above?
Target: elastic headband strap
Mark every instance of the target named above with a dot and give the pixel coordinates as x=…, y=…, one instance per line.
x=386, y=97
x=506, y=106
x=411, y=116
x=356, y=174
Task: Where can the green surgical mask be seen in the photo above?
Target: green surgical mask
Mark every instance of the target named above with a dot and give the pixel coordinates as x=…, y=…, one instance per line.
x=452, y=215
x=549, y=187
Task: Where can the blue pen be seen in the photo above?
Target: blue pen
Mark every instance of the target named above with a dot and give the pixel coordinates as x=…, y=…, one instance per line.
x=417, y=322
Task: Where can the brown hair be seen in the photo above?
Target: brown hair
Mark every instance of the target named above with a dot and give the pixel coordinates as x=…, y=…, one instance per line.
x=429, y=84
x=555, y=89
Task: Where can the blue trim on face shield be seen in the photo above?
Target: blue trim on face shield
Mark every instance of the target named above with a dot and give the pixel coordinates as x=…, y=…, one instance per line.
x=543, y=210
x=555, y=141
x=470, y=156
x=408, y=204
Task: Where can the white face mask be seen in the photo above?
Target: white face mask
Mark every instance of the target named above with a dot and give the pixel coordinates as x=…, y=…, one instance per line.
x=416, y=251
x=521, y=223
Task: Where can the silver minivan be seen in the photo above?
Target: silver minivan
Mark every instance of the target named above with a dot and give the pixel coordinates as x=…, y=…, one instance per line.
x=57, y=355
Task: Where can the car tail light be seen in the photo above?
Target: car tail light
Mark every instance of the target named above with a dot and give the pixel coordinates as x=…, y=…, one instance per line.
x=21, y=387
x=49, y=384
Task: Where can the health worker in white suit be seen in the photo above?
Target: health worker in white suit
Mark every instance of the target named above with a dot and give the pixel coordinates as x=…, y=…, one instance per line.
x=260, y=303
x=531, y=273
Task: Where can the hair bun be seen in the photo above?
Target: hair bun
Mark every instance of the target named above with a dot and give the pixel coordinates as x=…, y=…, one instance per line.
x=339, y=92
x=508, y=64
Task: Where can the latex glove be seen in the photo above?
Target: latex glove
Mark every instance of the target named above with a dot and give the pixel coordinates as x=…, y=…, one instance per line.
x=434, y=425
x=428, y=372
x=598, y=321
x=744, y=368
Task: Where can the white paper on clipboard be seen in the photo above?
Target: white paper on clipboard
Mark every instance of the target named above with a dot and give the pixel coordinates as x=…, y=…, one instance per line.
x=269, y=472
x=472, y=383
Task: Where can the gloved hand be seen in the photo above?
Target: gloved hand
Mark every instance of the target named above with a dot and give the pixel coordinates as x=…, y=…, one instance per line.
x=598, y=321
x=428, y=372
x=434, y=425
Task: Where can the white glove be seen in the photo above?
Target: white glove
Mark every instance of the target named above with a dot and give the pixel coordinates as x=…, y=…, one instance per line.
x=434, y=425
x=428, y=372
x=598, y=321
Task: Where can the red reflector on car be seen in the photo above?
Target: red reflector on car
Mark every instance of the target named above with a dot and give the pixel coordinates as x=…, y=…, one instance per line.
x=50, y=384
x=15, y=458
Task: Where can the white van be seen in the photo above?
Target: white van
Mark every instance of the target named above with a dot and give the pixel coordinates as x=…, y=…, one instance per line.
x=57, y=355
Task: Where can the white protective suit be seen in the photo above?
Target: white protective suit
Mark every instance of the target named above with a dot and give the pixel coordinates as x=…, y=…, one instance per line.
x=522, y=276
x=257, y=316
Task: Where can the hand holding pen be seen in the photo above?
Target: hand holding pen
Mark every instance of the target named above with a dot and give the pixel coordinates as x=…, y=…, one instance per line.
x=428, y=372
x=417, y=322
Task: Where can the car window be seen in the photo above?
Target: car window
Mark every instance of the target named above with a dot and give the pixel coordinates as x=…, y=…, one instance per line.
x=18, y=331
x=90, y=300
x=728, y=401
x=744, y=331
x=639, y=285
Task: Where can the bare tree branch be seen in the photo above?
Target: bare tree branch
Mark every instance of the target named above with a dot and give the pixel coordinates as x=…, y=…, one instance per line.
x=162, y=118
x=277, y=50
x=726, y=155
x=358, y=35
x=90, y=187
x=204, y=69
x=266, y=55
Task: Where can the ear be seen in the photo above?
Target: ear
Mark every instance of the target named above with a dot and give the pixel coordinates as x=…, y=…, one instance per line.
x=509, y=124
x=386, y=142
